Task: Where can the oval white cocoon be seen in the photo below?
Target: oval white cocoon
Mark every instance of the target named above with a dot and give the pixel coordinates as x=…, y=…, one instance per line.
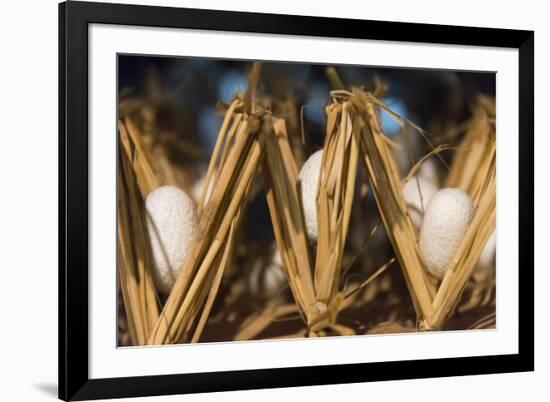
x=171, y=224
x=417, y=204
x=488, y=255
x=266, y=282
x=309, y=182
x=446, y=220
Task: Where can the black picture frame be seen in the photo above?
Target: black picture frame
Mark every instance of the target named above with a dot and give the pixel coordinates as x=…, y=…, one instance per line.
x=74, y=18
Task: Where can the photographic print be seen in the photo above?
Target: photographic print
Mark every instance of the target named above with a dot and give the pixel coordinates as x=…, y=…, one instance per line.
x=253, y=200
x=273, y=200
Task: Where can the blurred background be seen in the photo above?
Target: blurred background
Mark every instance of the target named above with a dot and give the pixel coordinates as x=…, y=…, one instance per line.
x=436, y=100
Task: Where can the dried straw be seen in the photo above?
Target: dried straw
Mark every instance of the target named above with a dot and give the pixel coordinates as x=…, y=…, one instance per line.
x=386, y=184
x=136, y=284
x=334, y=201
x=241, y=151
x=317, y=295
x=280, y=176
x=475, y=172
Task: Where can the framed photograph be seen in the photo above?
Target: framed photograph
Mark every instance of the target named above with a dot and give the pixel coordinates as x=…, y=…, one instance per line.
x=257, y=201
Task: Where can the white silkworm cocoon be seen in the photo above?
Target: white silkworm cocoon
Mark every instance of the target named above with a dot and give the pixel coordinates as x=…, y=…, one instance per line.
x=446, y=220
x=488, y=255
x=267, y=281
x=417, y=200
x=428, y=171
x=309, y=182
x=171, y=224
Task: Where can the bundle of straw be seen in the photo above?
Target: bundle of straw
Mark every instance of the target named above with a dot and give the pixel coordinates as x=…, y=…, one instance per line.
x=317, y=295
x=334, y=204
x=281, y=181
x=236, y=158
x=474, y=172
x=135, y=179
x=232, y=167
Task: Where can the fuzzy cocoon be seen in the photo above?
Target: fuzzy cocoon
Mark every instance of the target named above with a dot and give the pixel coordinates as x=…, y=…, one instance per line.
x=488, y=255
x=428, y=170
x=446, y=220
x=267, y=281
x=414, y=201
x=309, y=182
x=171, y=224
